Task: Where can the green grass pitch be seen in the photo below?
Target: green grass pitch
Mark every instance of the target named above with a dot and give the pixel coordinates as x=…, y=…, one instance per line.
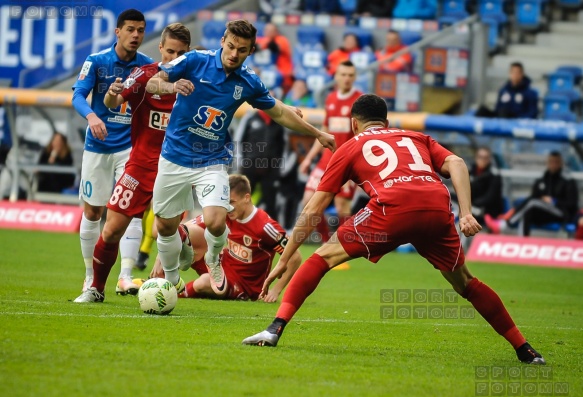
x=338, y=344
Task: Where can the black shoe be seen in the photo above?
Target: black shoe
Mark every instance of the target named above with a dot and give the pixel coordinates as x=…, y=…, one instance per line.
x=527, y=354
x=141, y=263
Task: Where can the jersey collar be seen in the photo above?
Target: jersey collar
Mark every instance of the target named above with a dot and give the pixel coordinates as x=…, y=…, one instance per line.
x=343, y=97
x=117, y=59
x=249, y=217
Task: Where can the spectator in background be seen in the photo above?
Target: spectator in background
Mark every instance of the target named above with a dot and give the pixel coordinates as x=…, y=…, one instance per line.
x=299, y=95
x=375, y=8
x=322, y=6
x=280, y=49
x=516, y=100
x=270, y=7
x=486, y=186
x=415, y=9
x=403, y=63
x=350, y=44
x=57, y=153
x=261, y=149
x=554, y=198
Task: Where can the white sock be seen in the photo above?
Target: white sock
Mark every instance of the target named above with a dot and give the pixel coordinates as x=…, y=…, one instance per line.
x=88, y=236
x=215, y=244
x=169, y=251
x=129, y=246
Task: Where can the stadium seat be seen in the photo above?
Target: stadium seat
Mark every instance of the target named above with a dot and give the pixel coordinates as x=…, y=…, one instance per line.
x=556, y=106
x=347, y=6
x=449, y=20
x=495, y=35
x=408, y=37
x=212, y=32
x=529, y=14
x=491, y=7
x=453, y=6
x=263, y=58
x=271, y=77
x=364, y=37
x=362, y=59
x=562, y=83
x=363, y=82
x=576, y=71
x=311, y=37
x=315, y=79
x=312, y=58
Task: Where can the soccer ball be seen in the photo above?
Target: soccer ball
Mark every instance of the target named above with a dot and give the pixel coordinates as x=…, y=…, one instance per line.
x=157, y=296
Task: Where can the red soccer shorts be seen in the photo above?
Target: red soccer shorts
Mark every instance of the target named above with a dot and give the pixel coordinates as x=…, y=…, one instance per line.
x=133, y=191
x=371, y=234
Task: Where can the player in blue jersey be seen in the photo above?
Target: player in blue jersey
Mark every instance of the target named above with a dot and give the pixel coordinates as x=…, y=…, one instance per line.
x=107, y=140
x=198, y=148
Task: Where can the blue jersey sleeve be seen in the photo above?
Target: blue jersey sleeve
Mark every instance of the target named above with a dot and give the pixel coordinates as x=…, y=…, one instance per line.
x=261, y=99
x=80, y=101
x=178, y=68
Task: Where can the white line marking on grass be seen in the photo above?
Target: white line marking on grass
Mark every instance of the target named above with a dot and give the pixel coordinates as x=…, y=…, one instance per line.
x=256, y=318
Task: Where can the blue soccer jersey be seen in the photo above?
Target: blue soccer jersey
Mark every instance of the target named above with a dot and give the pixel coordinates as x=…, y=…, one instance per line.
x=97, y=74
x=197, y=134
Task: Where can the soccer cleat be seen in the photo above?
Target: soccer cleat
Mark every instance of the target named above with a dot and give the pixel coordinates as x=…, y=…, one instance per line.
x=527, y=354
x=180, y=286
x=142, y=261
x=125, y=285
x=187, y=253
x=264, y=338
x=217, y=275
x=90, y=295
x=87, y=283
x=492, y=224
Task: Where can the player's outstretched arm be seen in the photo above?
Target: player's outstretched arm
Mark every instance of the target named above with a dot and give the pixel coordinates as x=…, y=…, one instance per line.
x=314, y=151
x=284, y=115
x=456, y=168
x=160, y=84
x=271, y=295
x=113, y=98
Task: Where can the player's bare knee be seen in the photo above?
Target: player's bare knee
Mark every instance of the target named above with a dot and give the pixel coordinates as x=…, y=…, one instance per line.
x=166, y=227
x=92, y=212
x=111, y=235
x=216, y=226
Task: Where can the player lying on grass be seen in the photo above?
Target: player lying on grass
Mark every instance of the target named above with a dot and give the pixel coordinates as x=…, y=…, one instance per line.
x=254, y=239
x=133, y=192
x=408, y=204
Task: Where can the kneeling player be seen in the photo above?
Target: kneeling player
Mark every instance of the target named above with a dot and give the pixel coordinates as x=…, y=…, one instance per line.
x=252, y=243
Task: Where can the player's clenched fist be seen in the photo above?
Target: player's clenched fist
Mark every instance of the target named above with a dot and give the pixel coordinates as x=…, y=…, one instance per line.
x=327, y=140
x=116, y=87
x=469, y=226
x=183, y=87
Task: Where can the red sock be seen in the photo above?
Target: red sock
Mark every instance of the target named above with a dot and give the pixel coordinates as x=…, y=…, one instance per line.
x=199, y=266
x=189, y=291
x=302, y=284
x=104, y=257
x=323, y=229
x=490, y=306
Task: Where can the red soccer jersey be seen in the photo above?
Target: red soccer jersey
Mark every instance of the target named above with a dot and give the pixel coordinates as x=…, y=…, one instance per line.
x=251, y=245
x=395, y=167
x=150, y=117
x=337, y=120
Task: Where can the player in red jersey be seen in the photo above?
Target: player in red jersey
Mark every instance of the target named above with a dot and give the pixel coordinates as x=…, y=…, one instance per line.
x=252, y=243
x=336, y=122
x=399, y=170
x=133, y=192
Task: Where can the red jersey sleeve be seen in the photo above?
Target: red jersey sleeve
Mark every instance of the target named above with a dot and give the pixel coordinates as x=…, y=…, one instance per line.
x=438, y=154
x=273, y=236
x=135, y=84
x=338, y=171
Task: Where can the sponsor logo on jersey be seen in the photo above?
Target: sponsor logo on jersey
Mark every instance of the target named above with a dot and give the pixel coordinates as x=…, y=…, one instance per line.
x=210, y=118
x=239, y=251
x=408, y=178
x=124, y=110
x=207, y=189
x=247, y=240
x=158, y=120
x=238, y=92
x=85, y=70
x=129, y=182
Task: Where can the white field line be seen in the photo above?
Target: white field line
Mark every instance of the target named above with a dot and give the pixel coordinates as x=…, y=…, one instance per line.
x=258, y=318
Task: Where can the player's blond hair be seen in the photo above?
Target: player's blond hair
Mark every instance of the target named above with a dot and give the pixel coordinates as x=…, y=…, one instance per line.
x=239, y=184
x=176, y=31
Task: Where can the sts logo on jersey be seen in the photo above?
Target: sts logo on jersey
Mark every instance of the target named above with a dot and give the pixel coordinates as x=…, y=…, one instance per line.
x=210, y=118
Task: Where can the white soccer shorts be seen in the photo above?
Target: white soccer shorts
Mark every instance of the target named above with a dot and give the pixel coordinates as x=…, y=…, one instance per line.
x=99, y=172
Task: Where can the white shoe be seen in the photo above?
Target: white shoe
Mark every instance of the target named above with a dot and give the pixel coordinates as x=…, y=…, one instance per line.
x=187, y=253
x=216, y=273
x=125, y=285
x=87, y=283
x=91, y=295
x=264, y=338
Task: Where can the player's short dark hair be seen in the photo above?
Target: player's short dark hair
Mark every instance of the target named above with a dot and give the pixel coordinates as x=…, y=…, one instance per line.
x=348, y=63
x=239, y=184
x=176, y=31
x=517, y=65
x=242, y=28
x=555, y=153
x=369, y=107
x=129, y=15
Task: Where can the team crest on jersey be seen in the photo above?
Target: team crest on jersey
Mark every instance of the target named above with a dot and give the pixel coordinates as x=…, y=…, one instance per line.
x=345, y=110
x=210, y=118
x=247, y=240
x=238, y=92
